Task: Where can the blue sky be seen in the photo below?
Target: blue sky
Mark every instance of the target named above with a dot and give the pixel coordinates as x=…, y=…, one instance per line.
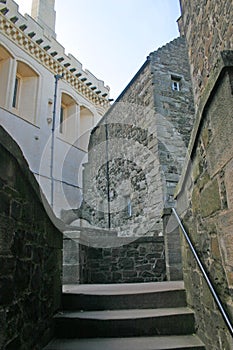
x=112, y=38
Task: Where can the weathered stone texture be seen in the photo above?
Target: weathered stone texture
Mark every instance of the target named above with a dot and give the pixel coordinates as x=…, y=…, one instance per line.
x=135, y=159
x=208, y=28
x=137, y=150
x=142, y=260
x=30, y=256
x=206, y=203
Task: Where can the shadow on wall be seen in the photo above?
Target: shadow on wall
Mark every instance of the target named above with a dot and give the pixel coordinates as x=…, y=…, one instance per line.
x=30, y=255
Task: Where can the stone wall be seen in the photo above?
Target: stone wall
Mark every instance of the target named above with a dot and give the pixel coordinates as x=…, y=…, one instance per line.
x=205, y=198
x=142, y=260
x=137, y=150
x=30, y=256
x=205, y=193
x=207, y=26
x=135, y=157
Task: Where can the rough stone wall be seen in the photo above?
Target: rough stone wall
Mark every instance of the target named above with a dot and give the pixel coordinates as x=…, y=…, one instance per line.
x=30, y=256
x=142, y=260
x=137, y=150
x=208, y=28
x=116, y=167
x=174, y=111
x=147, y=132
x=206, y=198
x=205, y=193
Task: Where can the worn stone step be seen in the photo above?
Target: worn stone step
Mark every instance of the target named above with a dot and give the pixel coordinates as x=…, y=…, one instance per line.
x=124, y=296
x=137, y=343
x=124, y=323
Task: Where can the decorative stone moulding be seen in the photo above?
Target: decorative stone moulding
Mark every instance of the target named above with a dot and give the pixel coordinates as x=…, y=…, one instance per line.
x=42, y=55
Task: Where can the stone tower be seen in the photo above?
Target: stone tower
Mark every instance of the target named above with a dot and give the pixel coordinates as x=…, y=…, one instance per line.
x=44, y=13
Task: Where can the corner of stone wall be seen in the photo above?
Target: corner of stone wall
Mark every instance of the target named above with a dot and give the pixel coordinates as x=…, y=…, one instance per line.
x=174, y=269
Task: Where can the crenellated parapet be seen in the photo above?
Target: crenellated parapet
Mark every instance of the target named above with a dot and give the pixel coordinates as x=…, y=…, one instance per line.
x=36, y=41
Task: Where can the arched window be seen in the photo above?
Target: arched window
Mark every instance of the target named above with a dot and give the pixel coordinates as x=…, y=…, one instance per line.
x=25, y=91
x=5, y=65
x=86, y=124
x=68, y=117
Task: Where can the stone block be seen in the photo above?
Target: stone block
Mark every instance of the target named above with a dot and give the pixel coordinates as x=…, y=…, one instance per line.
x=210, y=201
x=126, y=263
x=129, y=274
x=71, y=274
x=195, y=200
x=229, y=183
x=70, y=252
x=95, y=253
x=6, y=290
x=7, y=265
x=215, y=251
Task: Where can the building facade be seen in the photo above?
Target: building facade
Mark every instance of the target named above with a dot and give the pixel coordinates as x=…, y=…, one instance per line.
x=135, y=158
x=48, y=102
x=137, y=150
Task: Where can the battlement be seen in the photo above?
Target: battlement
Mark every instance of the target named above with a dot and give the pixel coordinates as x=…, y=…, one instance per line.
x=39, y=42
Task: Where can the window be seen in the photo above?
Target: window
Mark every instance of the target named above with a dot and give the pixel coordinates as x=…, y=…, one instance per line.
x=62, y=112
x=6, y=60
x=176, y=83
x=176, y=86
x=86, y=125
x=68, y=118
x=25, y=90
x=16, y=92
x=128, y=206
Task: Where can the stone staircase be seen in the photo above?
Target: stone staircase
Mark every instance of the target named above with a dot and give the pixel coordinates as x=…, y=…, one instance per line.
x=147, y=316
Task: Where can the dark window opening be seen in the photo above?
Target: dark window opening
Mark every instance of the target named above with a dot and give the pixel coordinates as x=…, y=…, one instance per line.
x=15, y=95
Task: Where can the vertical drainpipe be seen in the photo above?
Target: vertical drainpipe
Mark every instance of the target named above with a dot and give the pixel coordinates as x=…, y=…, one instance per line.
x=107, y=176
x=57, y=77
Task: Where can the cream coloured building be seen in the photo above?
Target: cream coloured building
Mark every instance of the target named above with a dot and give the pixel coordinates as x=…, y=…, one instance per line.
x=48, y=102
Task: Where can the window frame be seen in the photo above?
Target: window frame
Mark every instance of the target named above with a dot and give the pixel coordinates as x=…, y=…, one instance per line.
x=176, y=82
x=16, y=92
x=62, y=118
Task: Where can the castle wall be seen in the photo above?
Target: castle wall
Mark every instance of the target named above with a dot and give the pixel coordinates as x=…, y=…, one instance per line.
x=207, y=26
x=30, y=255
x=137, y=150
x=141, y=260
x=205, y=202
x=205, y=189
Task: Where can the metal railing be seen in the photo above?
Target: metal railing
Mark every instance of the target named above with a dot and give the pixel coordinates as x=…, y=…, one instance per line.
x=212, y=290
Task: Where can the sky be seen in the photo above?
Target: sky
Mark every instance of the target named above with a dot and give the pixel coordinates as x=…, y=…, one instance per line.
x=112, y=38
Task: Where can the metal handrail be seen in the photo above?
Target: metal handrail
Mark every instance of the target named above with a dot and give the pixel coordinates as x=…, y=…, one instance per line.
x=213, y=292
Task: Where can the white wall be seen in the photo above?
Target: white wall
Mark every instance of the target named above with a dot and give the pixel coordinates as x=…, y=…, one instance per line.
x=34, y=134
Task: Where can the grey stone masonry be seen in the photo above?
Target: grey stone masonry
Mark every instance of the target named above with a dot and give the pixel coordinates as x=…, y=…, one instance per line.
x=137, y=150
x=205, y=200
x=142, y=260
x=30, y=256
x=135, y=158
x=174, y=266
x=207, y=26
x=124, y=261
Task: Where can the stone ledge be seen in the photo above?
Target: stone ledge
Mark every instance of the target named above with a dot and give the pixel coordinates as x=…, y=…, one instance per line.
x=222, y=64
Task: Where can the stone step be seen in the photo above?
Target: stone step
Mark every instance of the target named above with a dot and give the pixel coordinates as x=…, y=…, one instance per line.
x=124, y=323
x=124, y=296
x=137, y=343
